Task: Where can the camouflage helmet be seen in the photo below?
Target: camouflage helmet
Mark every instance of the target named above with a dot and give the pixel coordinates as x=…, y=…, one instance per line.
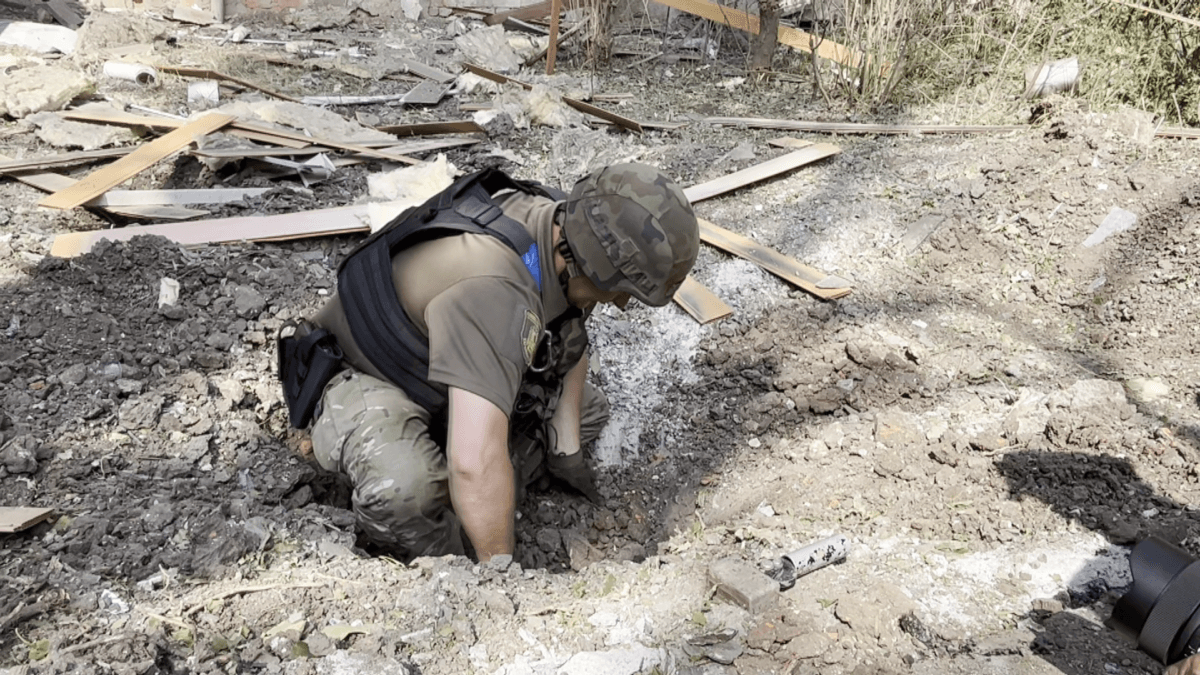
x=631, y=230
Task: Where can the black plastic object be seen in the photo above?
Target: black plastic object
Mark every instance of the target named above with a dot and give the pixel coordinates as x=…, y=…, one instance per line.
x=1159, y=611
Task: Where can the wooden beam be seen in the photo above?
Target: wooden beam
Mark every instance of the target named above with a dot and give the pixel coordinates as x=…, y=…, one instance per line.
x=393, y=147
x=812, y=280
x=53, y=182
x=701, y=303
x=350, y=147
x=62, y=159
x=433, y=128
x=623, y=122
x=1177, y=132
x=342, y=220
x=555, y=16
x=753, y=174
x=608, y=116
x=789, y=36
x=17, y=518
x=104, y=115
x=126, y=167
x=857, y=128
x=175, y=197
x=217, y=75
x=789, y=142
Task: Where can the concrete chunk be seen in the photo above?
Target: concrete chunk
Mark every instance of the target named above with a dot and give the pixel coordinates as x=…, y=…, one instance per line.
x=743, y=584
x=37, y=88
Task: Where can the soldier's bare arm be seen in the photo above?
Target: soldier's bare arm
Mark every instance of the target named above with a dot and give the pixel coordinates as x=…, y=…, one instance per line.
x=566, y=416
x=481, y=474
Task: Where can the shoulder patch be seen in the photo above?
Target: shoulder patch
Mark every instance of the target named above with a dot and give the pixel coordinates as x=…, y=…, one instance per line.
x=531, y=335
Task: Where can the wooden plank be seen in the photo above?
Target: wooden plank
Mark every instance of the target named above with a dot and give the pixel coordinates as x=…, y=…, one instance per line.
x=587, y=108
x=619, y=120
x=62, y=159
x=414, y=145
x=350, y=147
x=858, y=128
x=812, y=280
x=428, y=72
x=789, y=142
x=555, y=16
x=53, y=182
x=156, y=212
x=145, y=156
x=341, y=220
x=701, y=303
x=1177, y=132
x=753, y=174
x=495, y=77
x=217, y=75
x=115, y=116
x=17, y=518
x=175, y=197
x=789, y=36
x=528, y=13
x=433, y=128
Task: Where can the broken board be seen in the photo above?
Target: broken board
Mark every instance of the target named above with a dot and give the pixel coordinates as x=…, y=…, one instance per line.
x=433, y=128
x=789, y=143
x=53, y=182
x=701, y=303
x=62, y=159
x=115, y=116
x=425, y=93
x=623, y=122
x=341, y=220
x=820, y=284
x=17, y=518
x=857, y=128
x=217, y=75
x=758, y=172
x=428, y=72
x=94, y=184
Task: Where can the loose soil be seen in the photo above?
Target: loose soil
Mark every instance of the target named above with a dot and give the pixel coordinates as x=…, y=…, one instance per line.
x=992, y=417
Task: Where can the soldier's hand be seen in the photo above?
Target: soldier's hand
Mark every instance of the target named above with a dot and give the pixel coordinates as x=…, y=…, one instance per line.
x=574, y=471
x=1188, y=666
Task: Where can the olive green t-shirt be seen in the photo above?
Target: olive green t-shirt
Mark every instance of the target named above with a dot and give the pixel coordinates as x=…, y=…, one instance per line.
x=480, y=308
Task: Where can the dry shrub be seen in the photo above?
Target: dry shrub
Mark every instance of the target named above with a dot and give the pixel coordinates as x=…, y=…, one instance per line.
x=599, y=40
x=975, y=53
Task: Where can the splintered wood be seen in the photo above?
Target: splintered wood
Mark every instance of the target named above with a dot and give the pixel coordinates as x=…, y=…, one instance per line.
x=701, y=303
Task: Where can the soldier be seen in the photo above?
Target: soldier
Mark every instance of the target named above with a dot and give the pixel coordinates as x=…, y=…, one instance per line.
x=462, y=336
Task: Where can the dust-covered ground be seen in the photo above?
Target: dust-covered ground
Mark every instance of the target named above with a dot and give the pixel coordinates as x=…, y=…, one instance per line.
x=992, y=417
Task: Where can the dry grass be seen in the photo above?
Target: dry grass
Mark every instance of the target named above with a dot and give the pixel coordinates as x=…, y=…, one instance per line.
x=972, y=54
x=975, y=53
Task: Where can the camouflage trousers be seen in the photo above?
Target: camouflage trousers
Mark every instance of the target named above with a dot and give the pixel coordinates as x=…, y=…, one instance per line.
x=369, y=430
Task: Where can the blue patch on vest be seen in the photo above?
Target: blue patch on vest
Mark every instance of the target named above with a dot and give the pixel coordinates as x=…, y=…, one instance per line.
x=533, y=263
